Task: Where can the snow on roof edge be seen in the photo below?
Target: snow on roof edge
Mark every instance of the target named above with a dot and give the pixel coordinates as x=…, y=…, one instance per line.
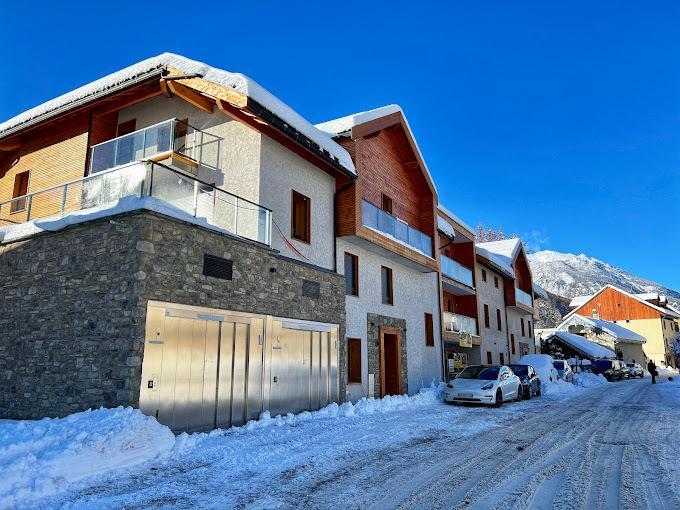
x=455, y=218
x=584, y=345
x=235, y=81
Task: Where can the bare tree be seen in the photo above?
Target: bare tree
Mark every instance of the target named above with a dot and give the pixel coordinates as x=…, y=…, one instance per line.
x=485, y=234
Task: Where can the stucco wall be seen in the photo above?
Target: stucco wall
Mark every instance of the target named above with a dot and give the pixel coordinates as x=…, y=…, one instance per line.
x=415, y=293
x=255, y=167
x=515, y=327
x=493, y=341
x=651, y=330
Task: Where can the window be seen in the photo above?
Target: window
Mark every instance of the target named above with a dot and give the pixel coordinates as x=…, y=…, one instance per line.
x=127, y=127
x=483, y=275
x=429, y=330
x=387, y=289
x=386, y=203
x=498, y=320
x=489, y=359
x=300, y=218
x=351, y=274
x=354, y=360
x=521, y=321
x=20, y=189
x=486, y=316
x=449, y=305
x=529, y=329
x=495, y=281
x=502, y=358
x=512, y=342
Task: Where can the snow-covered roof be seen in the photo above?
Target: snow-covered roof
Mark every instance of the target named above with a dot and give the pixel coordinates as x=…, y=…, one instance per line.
x=456, y=219
x=586, y=347
x=234, y=81
x=540, y=292
x=668, y=311
x=344, y=124
x=618, y=332
x=503, y=264
x=501, y=253
x=445, y=227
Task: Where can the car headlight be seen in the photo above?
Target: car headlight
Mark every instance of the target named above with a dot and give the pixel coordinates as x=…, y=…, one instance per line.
x=487, y=386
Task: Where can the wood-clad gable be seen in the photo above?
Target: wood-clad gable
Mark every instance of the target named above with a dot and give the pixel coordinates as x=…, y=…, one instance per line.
x=613, y=305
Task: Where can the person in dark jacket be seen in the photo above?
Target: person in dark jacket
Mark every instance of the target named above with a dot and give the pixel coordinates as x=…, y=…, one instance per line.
x=651, y=368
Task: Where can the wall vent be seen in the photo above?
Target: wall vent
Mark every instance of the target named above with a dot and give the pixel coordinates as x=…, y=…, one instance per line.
x=217, y=267
x=311, y=289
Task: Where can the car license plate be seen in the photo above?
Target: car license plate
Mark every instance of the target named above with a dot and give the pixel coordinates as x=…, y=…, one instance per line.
x=465, y=395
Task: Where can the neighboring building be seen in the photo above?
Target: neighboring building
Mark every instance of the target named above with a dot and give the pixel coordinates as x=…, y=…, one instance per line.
x=460, y=321
x=386, y=248
x=628, y=345
x=506, y=301
x=648, y=315
x=570, y=346
x=168, y=244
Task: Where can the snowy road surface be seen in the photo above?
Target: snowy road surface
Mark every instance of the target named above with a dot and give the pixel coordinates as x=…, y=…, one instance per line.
x=614, y=446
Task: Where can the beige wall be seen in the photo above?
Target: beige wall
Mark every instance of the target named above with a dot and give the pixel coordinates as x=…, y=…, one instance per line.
x=651, y=330
x=515, y=328
x=493, y=341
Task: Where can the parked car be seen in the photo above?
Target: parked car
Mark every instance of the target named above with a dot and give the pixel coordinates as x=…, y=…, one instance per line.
x=564, y=371
x=612, y=370
x=484, y=385
x=531, y=382
x=543, y=364
x=635, y=370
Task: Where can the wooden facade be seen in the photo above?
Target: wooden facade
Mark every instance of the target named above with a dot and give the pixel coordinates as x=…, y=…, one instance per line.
x=387, y=167
x=613, y=305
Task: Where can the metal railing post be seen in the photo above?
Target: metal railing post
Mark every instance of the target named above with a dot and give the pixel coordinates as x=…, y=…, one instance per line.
x=28, y=207
x=236, y=217
x=63, y=200
x=195, y=198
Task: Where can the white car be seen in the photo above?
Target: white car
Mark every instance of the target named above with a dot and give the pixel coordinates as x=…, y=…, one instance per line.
x=635, y=370
x=484, y=385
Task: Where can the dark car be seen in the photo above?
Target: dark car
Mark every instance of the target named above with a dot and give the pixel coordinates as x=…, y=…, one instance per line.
x=530, y=382
x=612, y=370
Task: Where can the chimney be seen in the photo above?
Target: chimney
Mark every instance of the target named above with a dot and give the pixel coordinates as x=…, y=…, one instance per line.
x=596, y=314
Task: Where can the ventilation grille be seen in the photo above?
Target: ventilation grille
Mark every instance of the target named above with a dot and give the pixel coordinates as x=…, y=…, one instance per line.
x=311, y=289
x=217, y=267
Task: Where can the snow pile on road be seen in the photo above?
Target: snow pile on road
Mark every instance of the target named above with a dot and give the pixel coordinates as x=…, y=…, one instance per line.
x=589, y=380
x=559, y=390
x=543, y=364
x=42, y=458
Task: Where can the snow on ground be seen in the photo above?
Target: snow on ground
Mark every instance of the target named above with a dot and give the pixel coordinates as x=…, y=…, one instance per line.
x=86, y=458
x=44, y=457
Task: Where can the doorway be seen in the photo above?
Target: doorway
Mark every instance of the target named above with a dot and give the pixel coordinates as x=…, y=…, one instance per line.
x=390, y=366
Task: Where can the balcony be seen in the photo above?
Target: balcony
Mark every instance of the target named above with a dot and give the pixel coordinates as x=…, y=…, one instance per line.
x=375, y=218
x=456, y=271
x=523, y=298
x=454, y=323
x=103, y=190
x=168, y=139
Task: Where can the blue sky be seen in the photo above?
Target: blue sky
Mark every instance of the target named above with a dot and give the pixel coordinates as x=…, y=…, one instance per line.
x=556, y=120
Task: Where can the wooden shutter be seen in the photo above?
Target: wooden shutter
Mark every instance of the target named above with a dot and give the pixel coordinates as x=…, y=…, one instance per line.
x=429, y=330
x=354, y=360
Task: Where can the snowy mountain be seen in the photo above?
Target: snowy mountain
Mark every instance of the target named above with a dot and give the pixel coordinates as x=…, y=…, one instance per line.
x=570, y=275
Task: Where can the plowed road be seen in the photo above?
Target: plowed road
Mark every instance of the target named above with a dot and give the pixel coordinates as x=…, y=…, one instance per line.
x=612, y=447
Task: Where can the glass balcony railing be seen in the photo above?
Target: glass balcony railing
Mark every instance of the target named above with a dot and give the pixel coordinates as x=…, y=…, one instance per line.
x=524, y=298
x=454, y=323
x=456, y=271
x=103, y=190
x=386, y=223
x=170, y=137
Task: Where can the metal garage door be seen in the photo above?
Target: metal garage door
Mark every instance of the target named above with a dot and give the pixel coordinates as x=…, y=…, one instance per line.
x=206, y=368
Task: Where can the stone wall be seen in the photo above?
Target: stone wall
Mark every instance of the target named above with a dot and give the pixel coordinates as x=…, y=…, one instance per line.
x=373, y=340
x=74, y=304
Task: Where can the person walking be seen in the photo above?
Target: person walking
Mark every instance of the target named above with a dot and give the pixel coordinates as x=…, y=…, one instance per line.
x=651, y=368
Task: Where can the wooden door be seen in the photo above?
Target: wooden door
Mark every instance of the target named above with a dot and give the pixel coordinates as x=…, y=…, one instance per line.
x=390, y=366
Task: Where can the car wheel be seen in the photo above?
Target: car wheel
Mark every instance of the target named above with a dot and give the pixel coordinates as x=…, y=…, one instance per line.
x=518, y=397
x=529, y=393
x=499, y=398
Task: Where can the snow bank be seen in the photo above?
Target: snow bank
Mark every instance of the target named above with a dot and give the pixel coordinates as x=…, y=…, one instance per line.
x=41, y=458
x=589, y=380
x=543, y=364
x=364, y=407
x=583, y=382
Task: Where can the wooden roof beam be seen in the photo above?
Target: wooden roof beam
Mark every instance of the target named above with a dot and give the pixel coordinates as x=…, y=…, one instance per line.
x=190, y=96
x=10, y=145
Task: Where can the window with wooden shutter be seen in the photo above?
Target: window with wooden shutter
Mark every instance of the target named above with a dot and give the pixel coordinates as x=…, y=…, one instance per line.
x=486, y=316
x=351, y=274
x=429, y=330
x=512, y=342
x=20, y=189
x=502, y=358
x=300, y=218
x=354, y=360
x=386, y=204
x=483, y=275
x=495, y=281
x=521, y=321
x=489, y=358
x=499, y=324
